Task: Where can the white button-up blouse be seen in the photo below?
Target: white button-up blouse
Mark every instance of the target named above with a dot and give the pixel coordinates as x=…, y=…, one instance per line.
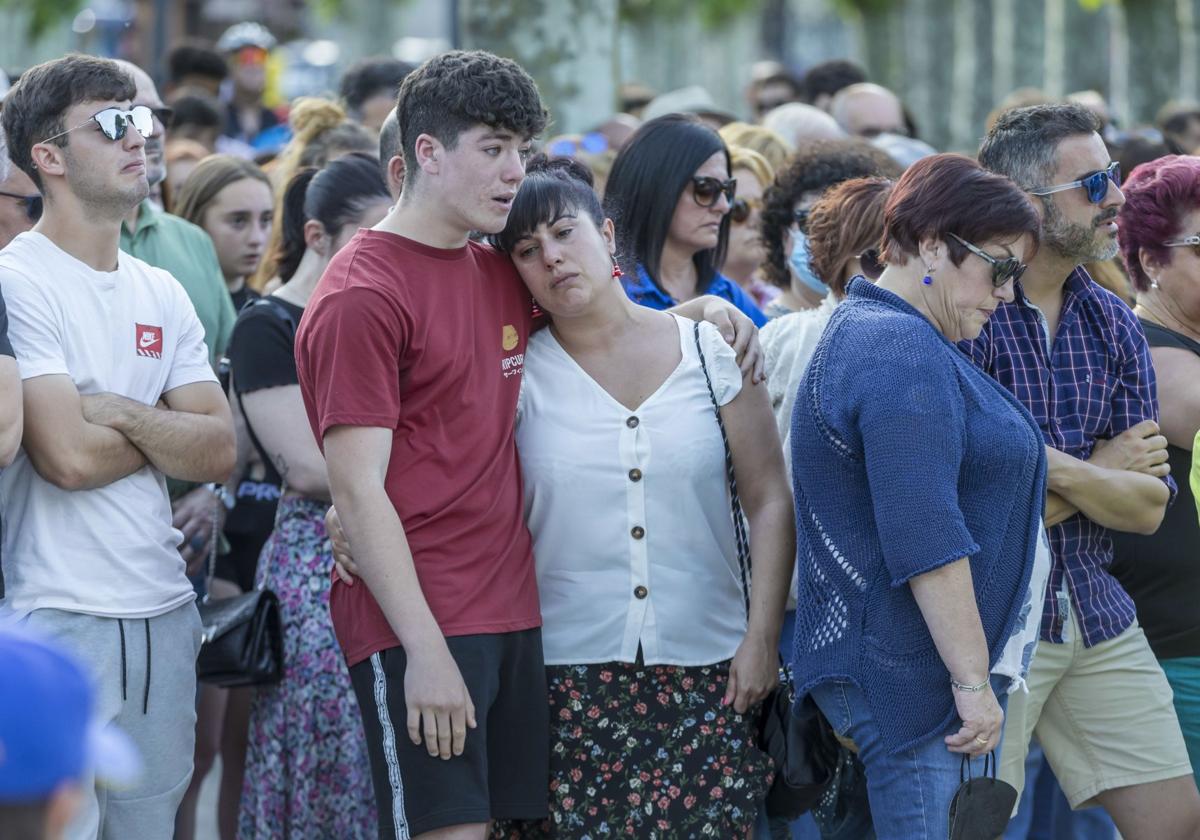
x=629, y=510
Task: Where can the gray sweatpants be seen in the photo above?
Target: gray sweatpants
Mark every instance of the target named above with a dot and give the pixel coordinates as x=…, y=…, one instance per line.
x=145, y=672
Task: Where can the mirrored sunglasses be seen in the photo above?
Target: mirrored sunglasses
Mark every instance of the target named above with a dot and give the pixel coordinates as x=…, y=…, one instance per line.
x=707, y=191
x=1095, y=185
x=1003, y=270
x=31, y=203
x=114, y=122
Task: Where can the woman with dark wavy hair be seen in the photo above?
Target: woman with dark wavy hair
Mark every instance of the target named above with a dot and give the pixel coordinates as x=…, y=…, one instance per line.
x=814, y=169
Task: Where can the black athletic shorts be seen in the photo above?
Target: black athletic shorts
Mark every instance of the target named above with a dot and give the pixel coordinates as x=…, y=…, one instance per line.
x=504, y=770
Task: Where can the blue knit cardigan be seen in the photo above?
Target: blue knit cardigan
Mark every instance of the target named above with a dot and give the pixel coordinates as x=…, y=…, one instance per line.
x=905, y=457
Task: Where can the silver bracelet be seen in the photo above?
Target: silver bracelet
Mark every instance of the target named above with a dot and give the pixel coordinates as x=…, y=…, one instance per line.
x=970, y=689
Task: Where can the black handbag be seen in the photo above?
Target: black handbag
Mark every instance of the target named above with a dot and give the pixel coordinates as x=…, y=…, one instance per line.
x=796, y=736
x=242, y=637
x=981, y=806
x=242, y=643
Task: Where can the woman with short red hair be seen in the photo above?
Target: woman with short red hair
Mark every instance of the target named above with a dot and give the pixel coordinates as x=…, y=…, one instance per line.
x=919, y=486
x=1160, y=242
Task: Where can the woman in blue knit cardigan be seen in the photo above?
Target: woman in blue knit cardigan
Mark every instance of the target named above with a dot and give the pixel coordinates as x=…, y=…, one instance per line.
x=919, y=486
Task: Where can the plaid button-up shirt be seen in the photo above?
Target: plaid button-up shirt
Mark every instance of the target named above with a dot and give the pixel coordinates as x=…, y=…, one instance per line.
x=1093, y=382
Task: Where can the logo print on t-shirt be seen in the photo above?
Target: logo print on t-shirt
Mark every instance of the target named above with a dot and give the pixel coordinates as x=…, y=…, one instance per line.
x=508, y=337
x=149, y=341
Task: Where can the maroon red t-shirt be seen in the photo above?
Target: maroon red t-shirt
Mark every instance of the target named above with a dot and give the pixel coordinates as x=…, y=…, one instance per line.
x=431, y=344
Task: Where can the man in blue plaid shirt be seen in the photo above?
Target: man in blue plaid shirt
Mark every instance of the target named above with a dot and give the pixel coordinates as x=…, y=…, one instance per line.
x=1076, y=357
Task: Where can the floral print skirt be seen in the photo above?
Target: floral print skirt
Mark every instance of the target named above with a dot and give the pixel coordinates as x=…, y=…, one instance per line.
x=648, y=752
x=307, y=772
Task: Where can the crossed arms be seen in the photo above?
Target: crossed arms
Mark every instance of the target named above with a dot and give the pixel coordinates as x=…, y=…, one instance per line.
x=83, y=442
x=1119, y=487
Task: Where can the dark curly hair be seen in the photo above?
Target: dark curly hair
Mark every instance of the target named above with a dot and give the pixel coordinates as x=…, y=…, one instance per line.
x=37, y=105
x=456, y=91
x=814, y=169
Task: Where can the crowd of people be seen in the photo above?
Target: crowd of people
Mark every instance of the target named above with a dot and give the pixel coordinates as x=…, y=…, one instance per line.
x=553, y=449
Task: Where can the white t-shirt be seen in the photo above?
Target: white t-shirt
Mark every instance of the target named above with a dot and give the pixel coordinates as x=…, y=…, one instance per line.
x=629, y=510
x=110, y=551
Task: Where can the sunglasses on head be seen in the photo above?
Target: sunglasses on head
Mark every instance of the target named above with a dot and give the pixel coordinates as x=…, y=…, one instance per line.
x=707, y=191
x=1095, y=185
x=114, y=122
x=1003, y=270
x=31, y=203
x=742, y=208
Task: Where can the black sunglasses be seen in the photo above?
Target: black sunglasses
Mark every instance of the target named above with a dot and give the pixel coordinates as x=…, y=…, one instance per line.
x=165, y=115
x=800, y=218
x=872, y=266
x=31, y=203
x=1096, y=184
x=740, y=210
x=1009, y=268
x=707, y=191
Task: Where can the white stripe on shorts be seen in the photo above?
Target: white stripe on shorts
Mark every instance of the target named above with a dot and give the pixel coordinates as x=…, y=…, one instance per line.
x=399, y=821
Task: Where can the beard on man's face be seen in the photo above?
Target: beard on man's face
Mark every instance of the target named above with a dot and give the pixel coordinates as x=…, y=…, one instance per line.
x=1081, y=243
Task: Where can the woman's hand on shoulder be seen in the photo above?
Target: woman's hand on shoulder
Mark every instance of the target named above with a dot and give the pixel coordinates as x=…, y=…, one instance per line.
x=753, y=673
x=740, y=333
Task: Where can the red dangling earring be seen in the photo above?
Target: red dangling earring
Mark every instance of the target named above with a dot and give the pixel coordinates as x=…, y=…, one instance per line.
x=617, y=272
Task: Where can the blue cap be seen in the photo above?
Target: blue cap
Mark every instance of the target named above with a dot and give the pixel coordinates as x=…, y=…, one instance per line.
x=48, y=733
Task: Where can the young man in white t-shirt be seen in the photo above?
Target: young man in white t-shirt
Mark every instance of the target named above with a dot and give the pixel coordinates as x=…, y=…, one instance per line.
x=118, y=394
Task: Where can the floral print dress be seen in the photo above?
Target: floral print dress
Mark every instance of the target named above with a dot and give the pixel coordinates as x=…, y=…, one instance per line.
x=307, y=772
x=648, y=752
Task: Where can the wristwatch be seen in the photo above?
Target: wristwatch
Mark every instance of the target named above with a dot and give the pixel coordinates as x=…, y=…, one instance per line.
x=222, y=493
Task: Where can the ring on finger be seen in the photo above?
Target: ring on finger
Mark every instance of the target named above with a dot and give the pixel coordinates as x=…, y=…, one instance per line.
x=979, y=740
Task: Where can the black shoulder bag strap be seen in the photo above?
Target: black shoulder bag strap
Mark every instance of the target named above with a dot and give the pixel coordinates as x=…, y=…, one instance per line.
x=735, y=502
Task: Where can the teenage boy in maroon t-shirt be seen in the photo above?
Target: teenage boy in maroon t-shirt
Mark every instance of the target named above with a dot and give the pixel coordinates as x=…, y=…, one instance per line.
x=410, y=358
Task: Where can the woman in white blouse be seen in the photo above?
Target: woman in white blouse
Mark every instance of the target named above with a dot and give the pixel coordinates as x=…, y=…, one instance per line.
x=654, y=669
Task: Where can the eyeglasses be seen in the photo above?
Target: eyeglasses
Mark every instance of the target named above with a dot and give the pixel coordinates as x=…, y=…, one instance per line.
x=1192, y=241
x=114, y=122
x=800, y=218
x=165, y=115
x=742, y=208
x=1009, y=268
x=1095, y=184
x=707, y=191
x=31, y=203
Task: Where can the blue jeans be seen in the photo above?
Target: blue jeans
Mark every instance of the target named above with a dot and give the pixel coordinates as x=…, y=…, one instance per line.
x=909, y=791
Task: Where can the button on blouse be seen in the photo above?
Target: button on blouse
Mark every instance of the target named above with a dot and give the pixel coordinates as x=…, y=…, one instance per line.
x=629, y=510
